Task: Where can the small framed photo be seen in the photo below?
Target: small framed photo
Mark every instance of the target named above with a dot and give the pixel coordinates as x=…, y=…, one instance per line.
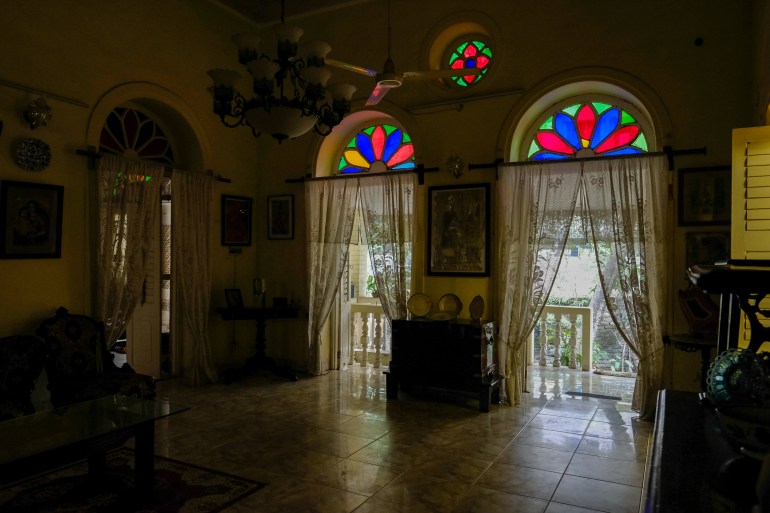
x=458, y=230
x=704, y=196
x=236, y=220
x=707, y=248
x=30, y=220
x=234, y=298
x=280, y=217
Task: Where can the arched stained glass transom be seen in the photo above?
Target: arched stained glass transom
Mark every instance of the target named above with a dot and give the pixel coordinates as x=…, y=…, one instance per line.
x=470, y=54
x=132, y=134
x=377, y=148
x=587, y=129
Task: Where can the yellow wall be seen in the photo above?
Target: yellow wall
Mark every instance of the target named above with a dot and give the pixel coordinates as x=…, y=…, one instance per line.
x=85, y=49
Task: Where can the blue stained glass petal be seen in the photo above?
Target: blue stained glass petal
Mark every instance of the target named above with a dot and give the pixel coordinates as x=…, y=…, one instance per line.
x=392, y=143
x=607, y=124
x=623, y=151
x=349, y=170
x=565, y=127
x=365, y=147
x=405, y=165
x=549, y=156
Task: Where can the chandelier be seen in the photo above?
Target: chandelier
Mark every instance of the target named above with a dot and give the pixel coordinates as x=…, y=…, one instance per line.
x=290, y=92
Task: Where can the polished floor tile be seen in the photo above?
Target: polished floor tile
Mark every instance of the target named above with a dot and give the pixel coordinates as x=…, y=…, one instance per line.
x=335, y=444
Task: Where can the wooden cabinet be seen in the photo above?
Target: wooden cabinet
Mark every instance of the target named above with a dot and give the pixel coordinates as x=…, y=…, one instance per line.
x=456, y=355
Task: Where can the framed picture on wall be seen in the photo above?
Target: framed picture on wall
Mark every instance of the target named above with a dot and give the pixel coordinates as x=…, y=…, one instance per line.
x=458, y=230
x=234, y=298
x=30, y=220
x=704, y=196
x=707, y=247
x=236, y=220
x=280, y=217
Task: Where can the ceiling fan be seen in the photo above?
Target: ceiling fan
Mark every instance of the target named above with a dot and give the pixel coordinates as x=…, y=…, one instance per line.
x=389, y=78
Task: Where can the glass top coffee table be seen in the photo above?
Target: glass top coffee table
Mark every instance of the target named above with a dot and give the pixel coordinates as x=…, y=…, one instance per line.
x=45, y=440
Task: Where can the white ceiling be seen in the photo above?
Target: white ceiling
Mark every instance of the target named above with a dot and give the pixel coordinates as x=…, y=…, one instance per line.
x=268, y=12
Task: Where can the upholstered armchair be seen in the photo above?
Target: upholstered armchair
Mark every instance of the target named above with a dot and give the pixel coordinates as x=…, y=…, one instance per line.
x=80, y=367
x=21, y=362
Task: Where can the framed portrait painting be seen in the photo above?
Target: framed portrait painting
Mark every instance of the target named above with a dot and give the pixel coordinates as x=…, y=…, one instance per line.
x=236, y=220
x=280, y=217
x=704, y=196
x=458, y=230
x=30, y=220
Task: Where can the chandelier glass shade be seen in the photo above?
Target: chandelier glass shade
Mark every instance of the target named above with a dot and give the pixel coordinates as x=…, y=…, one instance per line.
x=291, y=96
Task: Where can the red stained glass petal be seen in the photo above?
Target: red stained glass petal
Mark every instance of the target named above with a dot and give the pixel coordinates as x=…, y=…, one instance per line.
x=131, y=124
x=482, y=62
x=458, y=64
x=619, y=138
x=470, y=51
x=470, y=78
x=586, y=121
x=403, y=154
x=552, y=142
x=378, y=142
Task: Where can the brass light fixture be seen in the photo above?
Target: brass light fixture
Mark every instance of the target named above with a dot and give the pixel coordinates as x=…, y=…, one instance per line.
x=290, y=92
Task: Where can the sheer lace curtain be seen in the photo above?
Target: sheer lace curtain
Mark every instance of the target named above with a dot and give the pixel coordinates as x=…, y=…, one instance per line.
x=129, y=205
x=536, y=205
x=618, y=202
x=388, y=211
x=625, y=205
x=330, y=207
x=192, y=274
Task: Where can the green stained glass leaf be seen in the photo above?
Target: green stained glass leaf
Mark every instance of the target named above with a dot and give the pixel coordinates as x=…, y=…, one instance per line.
x=626, y=118
x=601, y=107
x=533, y=148
x=572, y=109
x=406, y=137
x=352, y=143
x=548, y=125
x=641, y=142
x=342, y=165
x=487, y=51
x=368, y=131
x=389, y=129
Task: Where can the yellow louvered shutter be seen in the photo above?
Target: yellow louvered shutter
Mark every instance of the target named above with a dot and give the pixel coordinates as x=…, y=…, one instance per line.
x=750, y=230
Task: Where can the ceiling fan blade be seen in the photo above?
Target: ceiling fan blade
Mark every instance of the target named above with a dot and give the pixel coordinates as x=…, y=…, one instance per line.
x=351, y=67
x=378, y=94
x=432, y=74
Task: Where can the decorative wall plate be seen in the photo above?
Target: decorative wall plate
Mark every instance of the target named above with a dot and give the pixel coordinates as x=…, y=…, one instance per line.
x=476, y=308
x=736, y=376
x=419, y=305
x=33, y=154
x=451, y=304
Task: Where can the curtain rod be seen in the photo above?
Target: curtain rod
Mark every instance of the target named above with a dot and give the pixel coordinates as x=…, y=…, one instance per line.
x=667, y=151
x=420, y=170
x=167, y=169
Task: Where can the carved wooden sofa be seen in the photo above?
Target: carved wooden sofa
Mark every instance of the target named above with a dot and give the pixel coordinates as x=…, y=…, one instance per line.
x=22, y=358
x=80, y=367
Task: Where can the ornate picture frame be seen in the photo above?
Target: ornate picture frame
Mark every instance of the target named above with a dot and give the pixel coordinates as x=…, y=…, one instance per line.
x=458, y=230
x=280, y=217
x=30, y=220
x=236, y=220
x=704, y=196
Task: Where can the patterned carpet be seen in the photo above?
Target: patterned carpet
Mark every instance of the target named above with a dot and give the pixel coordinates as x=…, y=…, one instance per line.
x=179, y=488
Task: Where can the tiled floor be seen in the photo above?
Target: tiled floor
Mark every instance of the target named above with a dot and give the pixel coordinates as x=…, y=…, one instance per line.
x=334, y=444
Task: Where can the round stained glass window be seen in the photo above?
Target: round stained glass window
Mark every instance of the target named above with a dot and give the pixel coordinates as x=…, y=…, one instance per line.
x=470, y=54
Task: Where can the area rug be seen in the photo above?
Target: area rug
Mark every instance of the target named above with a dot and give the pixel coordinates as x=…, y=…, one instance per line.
x=179, y=488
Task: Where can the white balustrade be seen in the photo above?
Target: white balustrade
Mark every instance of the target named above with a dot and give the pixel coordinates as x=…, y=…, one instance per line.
x=550, y=320
x=370, y=335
